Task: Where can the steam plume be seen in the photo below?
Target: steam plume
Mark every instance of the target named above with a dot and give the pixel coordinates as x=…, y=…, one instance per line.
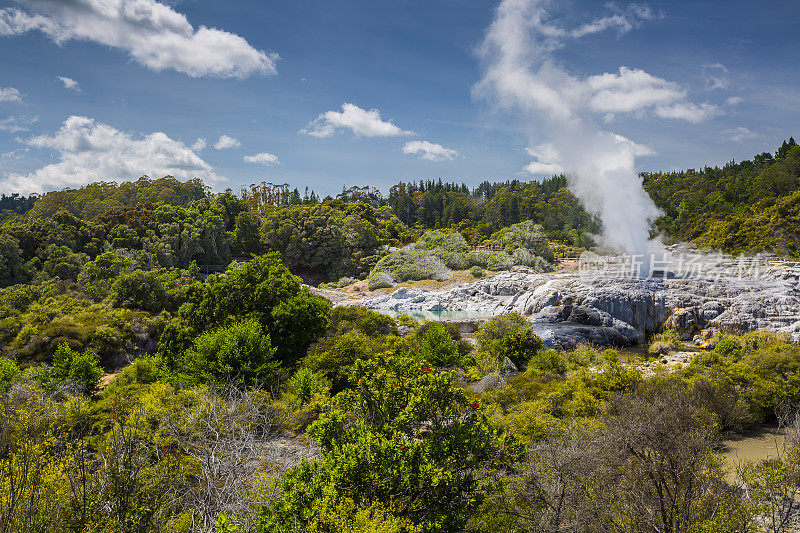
x=521, y=74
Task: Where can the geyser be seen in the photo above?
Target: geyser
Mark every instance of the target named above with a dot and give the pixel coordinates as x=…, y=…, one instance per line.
x=563, y=112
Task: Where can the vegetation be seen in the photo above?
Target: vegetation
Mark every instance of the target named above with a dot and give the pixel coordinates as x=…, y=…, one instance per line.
x=750, y=206
x=150, y=382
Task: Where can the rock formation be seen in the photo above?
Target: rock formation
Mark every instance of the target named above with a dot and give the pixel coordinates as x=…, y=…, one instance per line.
x=566, y=309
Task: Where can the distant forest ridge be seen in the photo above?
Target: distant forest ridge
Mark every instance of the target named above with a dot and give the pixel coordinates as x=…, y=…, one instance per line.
x=743, y=207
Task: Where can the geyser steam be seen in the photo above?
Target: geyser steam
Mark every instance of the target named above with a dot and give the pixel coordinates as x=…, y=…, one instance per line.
x=522, y=74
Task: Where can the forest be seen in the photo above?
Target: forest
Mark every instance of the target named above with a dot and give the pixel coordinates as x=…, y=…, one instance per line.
x=168, y=365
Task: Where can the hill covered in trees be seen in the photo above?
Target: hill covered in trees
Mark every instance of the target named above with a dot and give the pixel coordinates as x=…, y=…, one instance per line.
x=750, y=206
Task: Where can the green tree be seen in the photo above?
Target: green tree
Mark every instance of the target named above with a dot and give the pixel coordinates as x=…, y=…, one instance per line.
x=265, y=290
x=404, y=438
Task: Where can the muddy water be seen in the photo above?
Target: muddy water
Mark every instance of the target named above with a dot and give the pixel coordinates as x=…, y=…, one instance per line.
x=756, y=445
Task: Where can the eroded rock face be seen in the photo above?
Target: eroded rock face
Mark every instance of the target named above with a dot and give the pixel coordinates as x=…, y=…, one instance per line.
x=566, y=309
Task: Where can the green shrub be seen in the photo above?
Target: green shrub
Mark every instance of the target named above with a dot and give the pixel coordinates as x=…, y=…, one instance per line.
x=727, y=346
x=265, y=290
x=240, y=352
x=81, y=368
x=476, y=271
x=406, y=438
x=665, y=342
x=519, y=346
x=304, y=384
x=497, y=327
x=380, y=280
x=8, y=371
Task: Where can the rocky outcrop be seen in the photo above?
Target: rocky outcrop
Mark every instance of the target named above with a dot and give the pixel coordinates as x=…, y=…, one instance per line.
x=566, y=309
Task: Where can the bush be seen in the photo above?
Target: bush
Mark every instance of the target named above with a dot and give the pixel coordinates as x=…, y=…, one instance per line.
x=380, y=280
x=476, y=271
x=519, y=346
x=239, y=352
x=81, y=368
x=406, y=438
x=8, y=371
x=665, y=342
x=304, y=384
x=728, y=347
x=265, y=290
x=437, y=344
x=497, y=327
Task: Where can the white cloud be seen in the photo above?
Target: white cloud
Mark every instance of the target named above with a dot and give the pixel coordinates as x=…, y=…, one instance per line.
x=630, y=90
x=10, y=94
x=199, y=144
x=13, y=124
x=361, y=122
x=263, y=158
x=530, y=77
x=688, y=111
x=430, y=151
x=70, y=84
x=739, y=134
x=225, y=142
x=91, y=151
x=734, y=101
x=543, y=169
x=154, y=34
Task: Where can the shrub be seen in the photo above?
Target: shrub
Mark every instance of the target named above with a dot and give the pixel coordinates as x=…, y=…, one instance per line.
x=8, y=371
x=380, y=280
x=239, y=352
x=265, y=290
x=728, y=347
x=304, y=384
x=497, y=327
x=437, y=344
x=81, y=368
x=664, y=342
x=406, y=438
x=518, y=345
x=476, y=271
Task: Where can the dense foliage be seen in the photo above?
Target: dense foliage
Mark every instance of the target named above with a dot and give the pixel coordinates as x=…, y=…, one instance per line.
x=750, y=206
x=163, y=368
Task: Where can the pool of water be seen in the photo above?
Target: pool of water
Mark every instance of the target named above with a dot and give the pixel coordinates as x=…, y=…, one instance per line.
x=756, y=445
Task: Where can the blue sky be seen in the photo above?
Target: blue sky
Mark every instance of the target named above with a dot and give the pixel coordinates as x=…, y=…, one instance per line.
x=704, y=82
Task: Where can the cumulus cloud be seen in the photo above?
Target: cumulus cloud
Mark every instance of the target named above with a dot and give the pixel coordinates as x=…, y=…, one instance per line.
x=562, y=112
x=152, y=33
x=630, y=90
x=738, y=134
x=13, y=124
x=361, y=122
x=430, y=151
x=263, y=158
x=10, y=94
x=199, y=144
x=90, y=151
x=225, y=142
x=70, y=84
